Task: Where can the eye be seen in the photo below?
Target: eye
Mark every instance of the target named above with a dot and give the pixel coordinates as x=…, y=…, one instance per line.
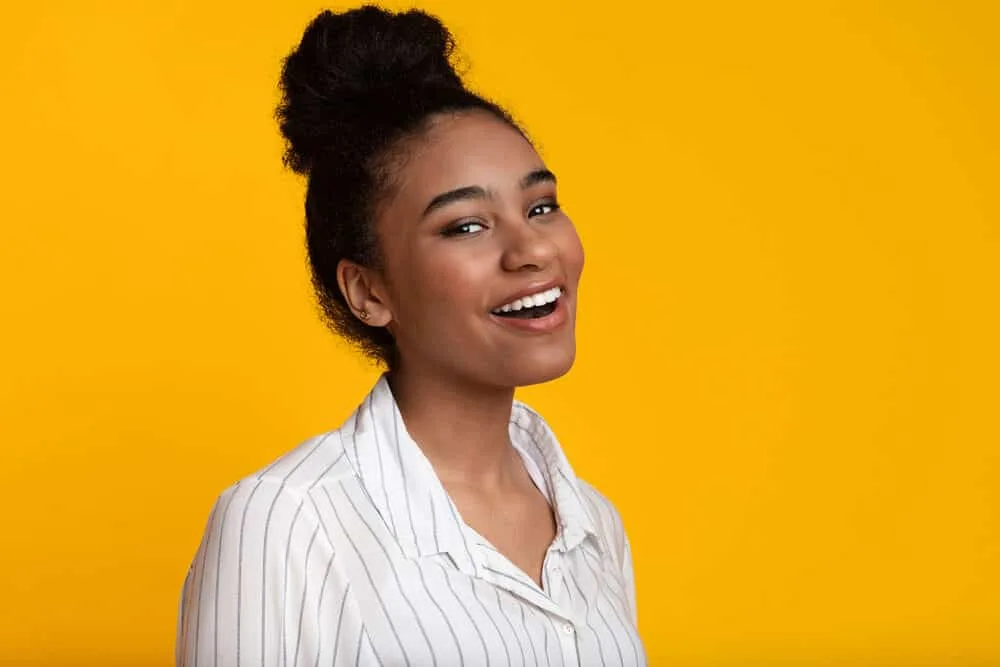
x=463, y=228
x=544, y=208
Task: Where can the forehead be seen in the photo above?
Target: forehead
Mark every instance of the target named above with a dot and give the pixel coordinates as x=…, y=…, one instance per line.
x=458, y=150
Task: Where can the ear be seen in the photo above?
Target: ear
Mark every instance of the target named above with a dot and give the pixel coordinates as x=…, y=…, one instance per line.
x=362, y=288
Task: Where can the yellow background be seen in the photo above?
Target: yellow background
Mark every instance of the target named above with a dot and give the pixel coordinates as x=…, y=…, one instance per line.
x=788, y=369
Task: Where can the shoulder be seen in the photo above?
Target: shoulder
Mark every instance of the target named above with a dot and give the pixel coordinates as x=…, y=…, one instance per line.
x=287, y=484
x=317, y=460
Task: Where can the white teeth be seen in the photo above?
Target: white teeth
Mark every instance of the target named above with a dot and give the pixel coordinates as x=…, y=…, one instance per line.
x=540, y=299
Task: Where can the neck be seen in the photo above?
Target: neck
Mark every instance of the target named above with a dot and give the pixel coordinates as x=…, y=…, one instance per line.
x=461, y=426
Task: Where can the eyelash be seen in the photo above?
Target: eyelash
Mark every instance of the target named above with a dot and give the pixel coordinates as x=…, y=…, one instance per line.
x=552, y=204
x=456, y=230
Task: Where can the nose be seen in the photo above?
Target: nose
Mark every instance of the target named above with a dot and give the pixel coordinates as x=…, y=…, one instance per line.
x=527, y=246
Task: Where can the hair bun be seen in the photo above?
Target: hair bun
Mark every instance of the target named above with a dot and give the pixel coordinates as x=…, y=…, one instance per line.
x=352, y=67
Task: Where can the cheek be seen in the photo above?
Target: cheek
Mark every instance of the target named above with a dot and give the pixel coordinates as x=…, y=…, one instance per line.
x=572, y=252
x=441, y=282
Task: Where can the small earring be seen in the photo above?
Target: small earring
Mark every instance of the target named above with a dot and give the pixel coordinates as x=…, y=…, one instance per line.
x=363, y=314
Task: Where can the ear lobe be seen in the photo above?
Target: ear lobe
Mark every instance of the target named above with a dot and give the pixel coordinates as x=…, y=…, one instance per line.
x=356, y=283
x=373, y=313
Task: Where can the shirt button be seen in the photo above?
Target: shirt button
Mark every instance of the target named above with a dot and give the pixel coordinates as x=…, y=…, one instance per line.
x=568, y=628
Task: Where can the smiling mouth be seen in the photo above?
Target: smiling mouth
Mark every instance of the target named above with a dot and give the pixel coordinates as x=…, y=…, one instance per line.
x=529, y=313
x=532, y=307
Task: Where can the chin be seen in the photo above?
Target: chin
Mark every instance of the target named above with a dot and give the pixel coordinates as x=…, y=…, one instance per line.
x=539, y=368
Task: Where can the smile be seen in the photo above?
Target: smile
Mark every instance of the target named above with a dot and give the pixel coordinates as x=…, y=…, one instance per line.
x=529, y=307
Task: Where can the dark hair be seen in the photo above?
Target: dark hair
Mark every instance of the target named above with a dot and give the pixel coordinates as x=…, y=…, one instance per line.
x=359, y=84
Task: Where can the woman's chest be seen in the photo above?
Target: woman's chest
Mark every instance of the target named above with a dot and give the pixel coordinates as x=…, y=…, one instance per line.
x=426, y=611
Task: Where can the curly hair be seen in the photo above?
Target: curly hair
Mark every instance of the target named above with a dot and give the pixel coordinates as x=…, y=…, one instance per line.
x=359, y=85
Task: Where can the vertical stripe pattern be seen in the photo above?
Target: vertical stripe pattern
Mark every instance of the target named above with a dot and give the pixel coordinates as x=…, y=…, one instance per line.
x=348, y=551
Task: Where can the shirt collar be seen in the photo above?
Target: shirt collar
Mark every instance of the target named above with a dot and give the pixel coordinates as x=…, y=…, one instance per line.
x=533, y=438
x=408, y=494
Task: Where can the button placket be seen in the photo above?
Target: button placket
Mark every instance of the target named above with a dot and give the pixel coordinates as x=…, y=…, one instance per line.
x=552, y=573
x=567, y=643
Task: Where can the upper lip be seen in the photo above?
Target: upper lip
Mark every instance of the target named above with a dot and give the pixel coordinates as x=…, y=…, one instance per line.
x=530, y=291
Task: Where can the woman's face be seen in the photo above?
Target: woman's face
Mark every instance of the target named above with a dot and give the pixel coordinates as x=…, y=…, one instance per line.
x=471, y=228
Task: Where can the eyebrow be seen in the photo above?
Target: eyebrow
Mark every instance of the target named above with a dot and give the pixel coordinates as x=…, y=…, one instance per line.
x=536, y=177
x=477, y=192
x=452, y=196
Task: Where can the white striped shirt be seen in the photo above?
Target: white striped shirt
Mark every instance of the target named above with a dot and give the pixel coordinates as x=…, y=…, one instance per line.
x=349, y=551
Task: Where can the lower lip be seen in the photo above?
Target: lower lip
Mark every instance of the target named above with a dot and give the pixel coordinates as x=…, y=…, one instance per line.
x=554, y=320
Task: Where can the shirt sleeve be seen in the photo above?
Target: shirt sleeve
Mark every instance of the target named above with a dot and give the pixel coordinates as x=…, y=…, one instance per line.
x=264, y=588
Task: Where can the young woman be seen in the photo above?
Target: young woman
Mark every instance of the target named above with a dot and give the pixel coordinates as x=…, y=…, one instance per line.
x=441, y=524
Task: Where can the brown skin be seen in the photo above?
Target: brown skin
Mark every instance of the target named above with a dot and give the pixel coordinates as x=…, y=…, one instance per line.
x=458, y=366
